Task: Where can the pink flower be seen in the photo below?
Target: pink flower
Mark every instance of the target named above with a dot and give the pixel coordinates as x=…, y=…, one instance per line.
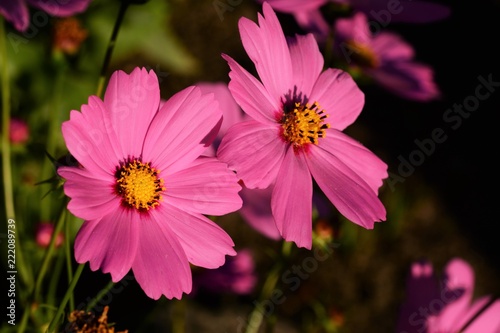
x=386, y=58
x=446, y=306
x=256, y=209
x=298, y=113
x=17, y=11
x=44, y=233
x=237, y=275
x=142, y=187
x=18, y=131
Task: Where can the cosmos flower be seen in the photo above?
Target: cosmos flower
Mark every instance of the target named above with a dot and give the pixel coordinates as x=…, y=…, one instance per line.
x=386, y=58
x=309, y=16
x=17, y=11
x=295, y=135
x=44, y=232
x=19, y=132
x=256, y=209
x=446, y=305
x=142, y=187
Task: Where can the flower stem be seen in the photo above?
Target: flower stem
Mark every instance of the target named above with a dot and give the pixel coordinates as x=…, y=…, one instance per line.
x=100, y=295
x=107, y=58
x=6, y=161
x=67, y=296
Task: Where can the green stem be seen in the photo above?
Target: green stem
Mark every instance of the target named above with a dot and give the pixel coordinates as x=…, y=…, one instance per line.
x=100, y=295
x=6, y=160
x=69, y=267
x=48, y=256
x=111, y=45
x=67, y=296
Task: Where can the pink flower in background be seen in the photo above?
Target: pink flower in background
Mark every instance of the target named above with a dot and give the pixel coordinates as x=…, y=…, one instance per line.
x=142, y=186
x=18, y=131
x=298, y=113
x=381, y=12
x=236, y=276
x=386, y=58
x=256, y=209
x=17, y=11
x=43, y=235
x=446, y=305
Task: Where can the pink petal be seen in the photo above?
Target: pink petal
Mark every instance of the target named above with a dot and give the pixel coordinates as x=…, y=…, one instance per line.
x=355, y=156
x=407, y=79
x=487, y=322
x=206, y=186
x=178, y=132
x=132, y=101
x=110, y=243
x=307, y=62
x=267, y=48
x=203, y=241
x=160, y=266
x=254, y=151
x=348, y=192
x=292, y=200
x=355, y=28
x=338, y=94
x=91, y=197
x=314, y=22
x=292, y=6
x=16, y=12
x=251, y=95
x=391, y=47
x=91, y=139
x=256, y=211
x=61, y=8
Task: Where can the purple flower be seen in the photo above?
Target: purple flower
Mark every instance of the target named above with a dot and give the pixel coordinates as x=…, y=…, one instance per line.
x=446, y=305
x=17, y=11
x=386, y=58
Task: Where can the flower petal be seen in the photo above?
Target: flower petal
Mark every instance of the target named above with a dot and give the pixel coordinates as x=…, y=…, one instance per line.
x=15, y=12
x=109, y=243
x=177, y=135
x=254, y=151
x=338, y=94
x=132, y=100
x=250, y=94
x=267, y=48
x=160, y=266
x=389, y=46
x=61, y=8
x=488, y=321
x=203, y=241
x=91, y=197
x=256, y=211
x=355, y=156
x=90, y=138
x=348, y=192
x=307, y=62
x=291, y=200
x=206, y=186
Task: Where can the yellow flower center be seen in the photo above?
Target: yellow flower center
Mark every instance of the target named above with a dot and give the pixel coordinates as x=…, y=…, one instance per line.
x=139, y=185
x=362, y=55
x=304, y=124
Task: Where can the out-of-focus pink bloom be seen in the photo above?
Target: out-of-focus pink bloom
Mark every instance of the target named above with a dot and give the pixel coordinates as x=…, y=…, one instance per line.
x=446, y=305
x=142, y=188
x=298, y=113
x=380, y=12
x=17, y=11
x=386, y=58
x=18, y=131
x=256, y=209
x=236, y=276
x=43, y=235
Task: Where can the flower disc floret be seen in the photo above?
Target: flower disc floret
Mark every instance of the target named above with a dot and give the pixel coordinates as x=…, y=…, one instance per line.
x=139, y=185
x=304, y=124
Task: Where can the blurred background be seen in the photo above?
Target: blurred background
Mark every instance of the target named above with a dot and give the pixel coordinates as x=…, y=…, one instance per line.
x=444, y=207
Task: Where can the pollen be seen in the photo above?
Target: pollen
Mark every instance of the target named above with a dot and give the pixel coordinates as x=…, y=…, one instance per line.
x=139, y=185
x=304, y=124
